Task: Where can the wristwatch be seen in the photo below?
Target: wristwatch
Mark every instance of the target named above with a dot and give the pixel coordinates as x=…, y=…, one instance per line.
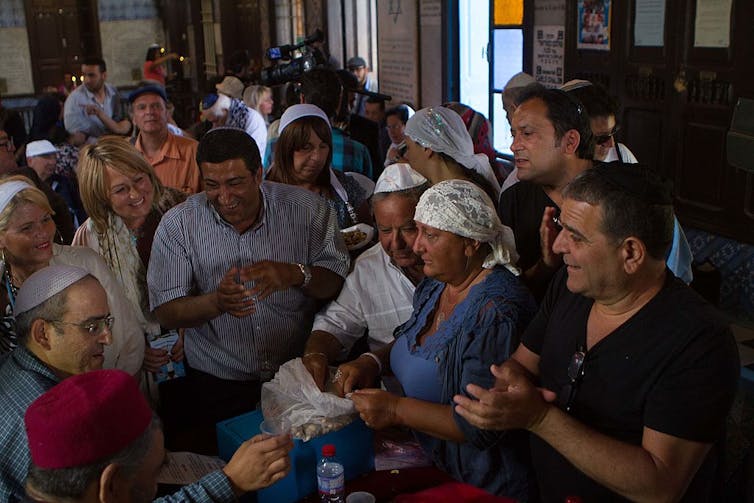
x=307, y=274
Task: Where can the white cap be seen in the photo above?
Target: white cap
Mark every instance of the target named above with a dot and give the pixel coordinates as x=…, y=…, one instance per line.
x=40, y=147
x=521, y=79
x=398, y=176
x=575, y=84
x=295, y=112
x=45, y=283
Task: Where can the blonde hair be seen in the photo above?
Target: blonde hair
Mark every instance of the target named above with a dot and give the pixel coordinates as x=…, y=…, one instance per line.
x=117, y=153
x=252, y=96
x=31, y=195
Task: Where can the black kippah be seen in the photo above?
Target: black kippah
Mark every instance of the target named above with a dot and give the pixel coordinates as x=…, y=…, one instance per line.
x=638, y=180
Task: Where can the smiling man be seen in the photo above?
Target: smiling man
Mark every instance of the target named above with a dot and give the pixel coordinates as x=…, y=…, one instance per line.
x=243, y=263
x=377, y=295
x=63, y=324
x=636, y=372
x=172, y=157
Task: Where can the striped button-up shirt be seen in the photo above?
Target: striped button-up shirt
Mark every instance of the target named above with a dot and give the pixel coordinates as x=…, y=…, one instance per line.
x=23, y=379
x=194, y=248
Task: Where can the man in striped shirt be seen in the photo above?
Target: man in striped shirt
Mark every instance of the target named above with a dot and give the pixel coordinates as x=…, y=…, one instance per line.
x=244, y=264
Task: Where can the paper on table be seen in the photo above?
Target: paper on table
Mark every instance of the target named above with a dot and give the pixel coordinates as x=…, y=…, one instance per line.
x=185, y=468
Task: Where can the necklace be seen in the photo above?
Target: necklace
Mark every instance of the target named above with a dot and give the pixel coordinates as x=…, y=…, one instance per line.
x=447, y=304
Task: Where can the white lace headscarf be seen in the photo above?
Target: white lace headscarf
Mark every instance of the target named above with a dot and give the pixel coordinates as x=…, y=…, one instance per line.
x=442, y=130
x=462, y=208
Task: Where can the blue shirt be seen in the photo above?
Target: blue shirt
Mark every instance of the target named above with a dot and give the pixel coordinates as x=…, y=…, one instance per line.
x=483, y=329
x=77, y=120
x=23, y=379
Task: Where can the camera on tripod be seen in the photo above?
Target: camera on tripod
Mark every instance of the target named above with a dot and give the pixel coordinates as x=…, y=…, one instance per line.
x=292, y=60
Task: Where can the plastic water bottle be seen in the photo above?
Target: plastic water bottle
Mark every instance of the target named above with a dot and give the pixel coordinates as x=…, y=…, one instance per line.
x=330, y=477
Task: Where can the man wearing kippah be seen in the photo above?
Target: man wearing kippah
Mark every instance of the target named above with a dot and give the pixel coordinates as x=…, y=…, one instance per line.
x=93, y=437
x=377, y=295
x=634, y=372
x=63, y=323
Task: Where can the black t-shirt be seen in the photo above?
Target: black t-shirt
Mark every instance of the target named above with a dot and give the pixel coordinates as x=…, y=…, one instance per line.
x=673, y=367
x=520, y=208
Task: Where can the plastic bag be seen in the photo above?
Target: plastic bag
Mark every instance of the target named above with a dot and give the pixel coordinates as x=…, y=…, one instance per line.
x=293, y=397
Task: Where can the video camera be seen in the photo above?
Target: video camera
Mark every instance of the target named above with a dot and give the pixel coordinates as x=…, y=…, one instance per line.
x=301, y=58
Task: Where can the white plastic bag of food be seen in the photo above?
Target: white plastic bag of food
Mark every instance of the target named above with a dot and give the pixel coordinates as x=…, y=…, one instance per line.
x=294, y=397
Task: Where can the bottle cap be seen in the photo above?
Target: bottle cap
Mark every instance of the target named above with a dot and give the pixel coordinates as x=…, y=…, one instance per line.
x=328, y=450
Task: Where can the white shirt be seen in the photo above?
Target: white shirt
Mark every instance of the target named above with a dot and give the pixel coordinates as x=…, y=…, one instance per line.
x=627, y=156
x=257, y=129
x=375, y=296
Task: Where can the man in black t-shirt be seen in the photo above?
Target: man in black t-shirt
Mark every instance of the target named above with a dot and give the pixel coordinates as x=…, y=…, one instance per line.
x=636, y=373
x=552, y=143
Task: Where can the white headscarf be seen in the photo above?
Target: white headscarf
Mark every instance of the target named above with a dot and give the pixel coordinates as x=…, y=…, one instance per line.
x=462, y=208
x=442, y=130
x=8, y=191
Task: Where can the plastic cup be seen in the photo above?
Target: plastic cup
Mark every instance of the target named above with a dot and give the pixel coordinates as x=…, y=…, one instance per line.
x=275, y=428
x=360, y=497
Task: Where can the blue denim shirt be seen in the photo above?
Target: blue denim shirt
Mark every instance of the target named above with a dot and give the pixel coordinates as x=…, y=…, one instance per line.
x=483, y=329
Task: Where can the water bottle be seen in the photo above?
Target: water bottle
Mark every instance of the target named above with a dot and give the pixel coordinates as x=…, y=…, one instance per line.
x=330, y=477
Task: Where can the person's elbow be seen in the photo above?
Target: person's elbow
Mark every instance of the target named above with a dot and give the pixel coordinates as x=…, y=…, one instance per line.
x=168, y=315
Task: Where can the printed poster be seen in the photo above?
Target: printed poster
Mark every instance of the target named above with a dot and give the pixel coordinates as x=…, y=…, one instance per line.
x=593, y=25
x=549, y=45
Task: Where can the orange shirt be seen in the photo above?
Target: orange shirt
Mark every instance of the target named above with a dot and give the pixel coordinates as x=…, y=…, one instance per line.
x=175, y=163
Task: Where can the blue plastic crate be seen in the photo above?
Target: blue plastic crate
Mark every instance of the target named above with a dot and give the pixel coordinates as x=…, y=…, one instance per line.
x=353, y=444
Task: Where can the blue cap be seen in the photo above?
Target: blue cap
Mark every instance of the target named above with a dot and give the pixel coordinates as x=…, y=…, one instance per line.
x=149, y=89
x=208, y=101
x=356, y=62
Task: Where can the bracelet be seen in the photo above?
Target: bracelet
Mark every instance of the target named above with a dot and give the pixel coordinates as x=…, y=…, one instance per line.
x=315, y=354
x=376, y=360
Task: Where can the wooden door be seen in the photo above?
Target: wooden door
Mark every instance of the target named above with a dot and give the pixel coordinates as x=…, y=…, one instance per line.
x=61, y=34
x=677, y=103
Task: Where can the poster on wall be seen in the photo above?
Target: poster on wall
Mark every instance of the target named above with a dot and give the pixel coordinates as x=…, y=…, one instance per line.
x=398, y=50
x=649, y=23
x=593, y=23
x=712, y=23
x=549, y=44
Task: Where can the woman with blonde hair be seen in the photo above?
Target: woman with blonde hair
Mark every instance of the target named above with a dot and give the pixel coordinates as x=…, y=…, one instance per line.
x=125, y=202
x=260, y=99
x=26, y=246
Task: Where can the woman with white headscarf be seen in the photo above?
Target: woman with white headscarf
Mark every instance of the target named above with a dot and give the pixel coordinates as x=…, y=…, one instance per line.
x=439, y=147
x=302, y=158
x=26, y=246
x=467, y=314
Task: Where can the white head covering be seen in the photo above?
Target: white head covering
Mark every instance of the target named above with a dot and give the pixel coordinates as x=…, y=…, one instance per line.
x=295, y=112
x=398, y=176
x=39, y=147
x=462, y=208
x=45, y=283
x=519, y=80
x=575, y=84
x=442, y=130
x=8, y=190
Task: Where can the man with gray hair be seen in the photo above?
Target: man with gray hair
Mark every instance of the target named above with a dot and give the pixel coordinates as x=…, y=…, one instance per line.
x=377, y=295
x=63, y=323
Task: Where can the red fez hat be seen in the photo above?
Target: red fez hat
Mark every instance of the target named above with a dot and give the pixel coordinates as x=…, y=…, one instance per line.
x=86, y=418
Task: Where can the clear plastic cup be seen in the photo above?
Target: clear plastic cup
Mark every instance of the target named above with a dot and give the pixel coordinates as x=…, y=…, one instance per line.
x=360, y=497
x=275, y=427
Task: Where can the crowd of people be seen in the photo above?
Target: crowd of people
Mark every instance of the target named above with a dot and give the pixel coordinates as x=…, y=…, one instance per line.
x=539, y=323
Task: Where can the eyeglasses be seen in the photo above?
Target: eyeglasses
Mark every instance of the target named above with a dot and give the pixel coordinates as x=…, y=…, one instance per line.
x=93, y=327
x=604, y=138
x=575, y=374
